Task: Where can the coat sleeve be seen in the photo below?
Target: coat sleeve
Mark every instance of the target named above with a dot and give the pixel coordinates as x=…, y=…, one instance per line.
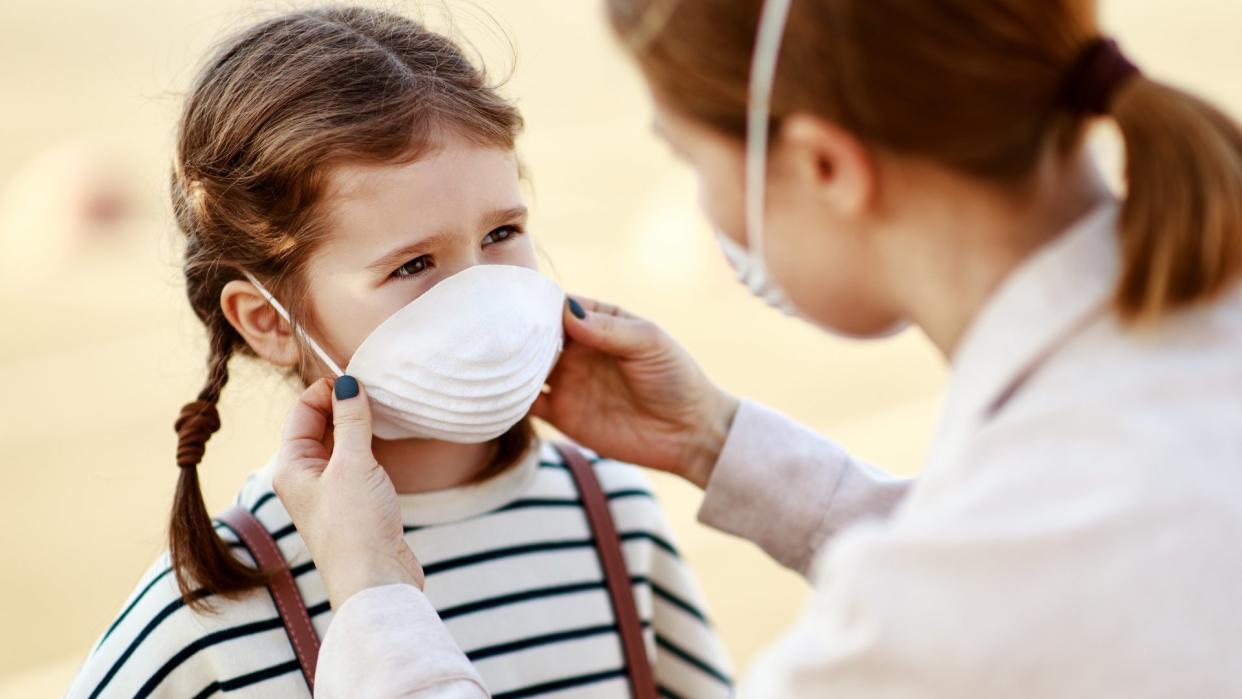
x=788, y=489
x=388, y=642
x=1054, y=563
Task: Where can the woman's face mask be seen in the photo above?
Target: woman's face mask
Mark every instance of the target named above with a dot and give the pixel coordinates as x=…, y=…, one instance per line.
x=749, y=262
x=464, y=361
x=789, y=248
x=752, y=273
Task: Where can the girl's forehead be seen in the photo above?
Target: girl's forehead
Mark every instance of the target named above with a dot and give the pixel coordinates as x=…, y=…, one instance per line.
x=451, y=190
x=455, y=167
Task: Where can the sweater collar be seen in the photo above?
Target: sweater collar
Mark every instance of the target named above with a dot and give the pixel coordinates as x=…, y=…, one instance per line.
x=419, y=509
x=464, y=502
x=1050, y=297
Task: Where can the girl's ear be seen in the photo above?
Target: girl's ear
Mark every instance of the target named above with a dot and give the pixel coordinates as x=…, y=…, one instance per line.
x=258, y=323
x=829, y=161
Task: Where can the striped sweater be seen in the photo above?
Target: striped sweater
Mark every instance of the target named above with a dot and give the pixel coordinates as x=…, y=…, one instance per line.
x=510, y=568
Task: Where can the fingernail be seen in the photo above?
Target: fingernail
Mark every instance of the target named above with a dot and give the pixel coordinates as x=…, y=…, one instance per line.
x=577, y=309
x=346, y=387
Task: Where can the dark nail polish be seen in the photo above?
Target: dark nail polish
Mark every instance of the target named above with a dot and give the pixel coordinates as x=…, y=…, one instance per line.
x=577, y=309
x=346, y=387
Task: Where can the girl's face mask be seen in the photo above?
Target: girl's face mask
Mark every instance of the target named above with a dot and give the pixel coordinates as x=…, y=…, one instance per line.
x=461, y=363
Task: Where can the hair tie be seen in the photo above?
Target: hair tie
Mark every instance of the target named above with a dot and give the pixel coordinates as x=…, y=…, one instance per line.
x=196, y=423
x=1094, y=77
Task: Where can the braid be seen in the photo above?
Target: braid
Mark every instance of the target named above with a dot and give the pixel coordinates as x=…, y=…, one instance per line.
x=198, y=554
x=199, y=419
x=221, y=351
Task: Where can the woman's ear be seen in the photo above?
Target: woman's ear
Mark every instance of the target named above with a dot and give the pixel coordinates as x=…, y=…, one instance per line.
x=828, y=160
x=258, y=323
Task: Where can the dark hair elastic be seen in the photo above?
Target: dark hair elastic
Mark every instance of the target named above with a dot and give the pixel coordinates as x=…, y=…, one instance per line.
x=1094, y=77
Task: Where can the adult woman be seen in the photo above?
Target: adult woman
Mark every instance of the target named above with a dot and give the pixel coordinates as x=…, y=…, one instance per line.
x=1073, y=532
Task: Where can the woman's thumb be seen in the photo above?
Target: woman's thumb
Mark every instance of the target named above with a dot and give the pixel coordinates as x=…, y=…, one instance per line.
x=607, y=329
x=351, y=418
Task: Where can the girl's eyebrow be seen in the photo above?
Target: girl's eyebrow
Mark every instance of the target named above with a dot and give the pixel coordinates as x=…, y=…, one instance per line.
x=499, y=217
x=409, y=251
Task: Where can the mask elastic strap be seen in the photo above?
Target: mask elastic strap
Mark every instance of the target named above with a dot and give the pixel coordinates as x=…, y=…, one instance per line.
x=762, y=76
x=297, y=328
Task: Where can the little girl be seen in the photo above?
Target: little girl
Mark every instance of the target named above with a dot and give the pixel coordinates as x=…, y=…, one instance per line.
x=347, y=186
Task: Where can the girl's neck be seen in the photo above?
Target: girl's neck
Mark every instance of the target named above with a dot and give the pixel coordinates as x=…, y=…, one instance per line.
x=421, y=465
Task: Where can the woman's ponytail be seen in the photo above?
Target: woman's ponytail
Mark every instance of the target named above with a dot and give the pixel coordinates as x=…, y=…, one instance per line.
x=1181, y=225
x=201, y=561
x=981, y=87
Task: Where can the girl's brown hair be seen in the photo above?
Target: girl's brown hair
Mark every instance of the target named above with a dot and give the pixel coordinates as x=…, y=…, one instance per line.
x=273, y=110
x=975, y=85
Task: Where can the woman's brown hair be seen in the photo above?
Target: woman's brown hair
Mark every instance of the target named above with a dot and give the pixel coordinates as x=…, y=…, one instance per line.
x=978, y=86
x=272, y=111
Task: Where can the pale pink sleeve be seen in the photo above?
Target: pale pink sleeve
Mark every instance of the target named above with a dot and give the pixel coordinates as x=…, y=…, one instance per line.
x=788, y=489
x=388, y=642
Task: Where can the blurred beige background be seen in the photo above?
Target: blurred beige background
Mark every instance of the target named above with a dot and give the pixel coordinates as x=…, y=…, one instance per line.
x=99, y=350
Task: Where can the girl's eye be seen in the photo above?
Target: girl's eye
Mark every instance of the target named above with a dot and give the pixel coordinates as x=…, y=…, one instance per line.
x=413, y=268
x=501, y=234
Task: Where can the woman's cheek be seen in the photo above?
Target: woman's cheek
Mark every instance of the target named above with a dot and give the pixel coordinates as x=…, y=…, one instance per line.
x=723, y=207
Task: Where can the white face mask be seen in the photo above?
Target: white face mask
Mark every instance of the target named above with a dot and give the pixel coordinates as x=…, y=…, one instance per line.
x=464, y=361
x=749, y=262
x=753, y=275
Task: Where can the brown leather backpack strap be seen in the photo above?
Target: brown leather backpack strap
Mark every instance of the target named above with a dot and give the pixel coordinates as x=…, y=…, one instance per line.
x=608, y=546
x=284, y=590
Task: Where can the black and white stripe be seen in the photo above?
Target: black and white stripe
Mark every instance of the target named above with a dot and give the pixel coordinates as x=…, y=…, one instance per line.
x=518, y=586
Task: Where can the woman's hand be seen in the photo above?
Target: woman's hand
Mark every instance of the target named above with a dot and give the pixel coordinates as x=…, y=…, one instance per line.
x=341, y=500
x=625, y=389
